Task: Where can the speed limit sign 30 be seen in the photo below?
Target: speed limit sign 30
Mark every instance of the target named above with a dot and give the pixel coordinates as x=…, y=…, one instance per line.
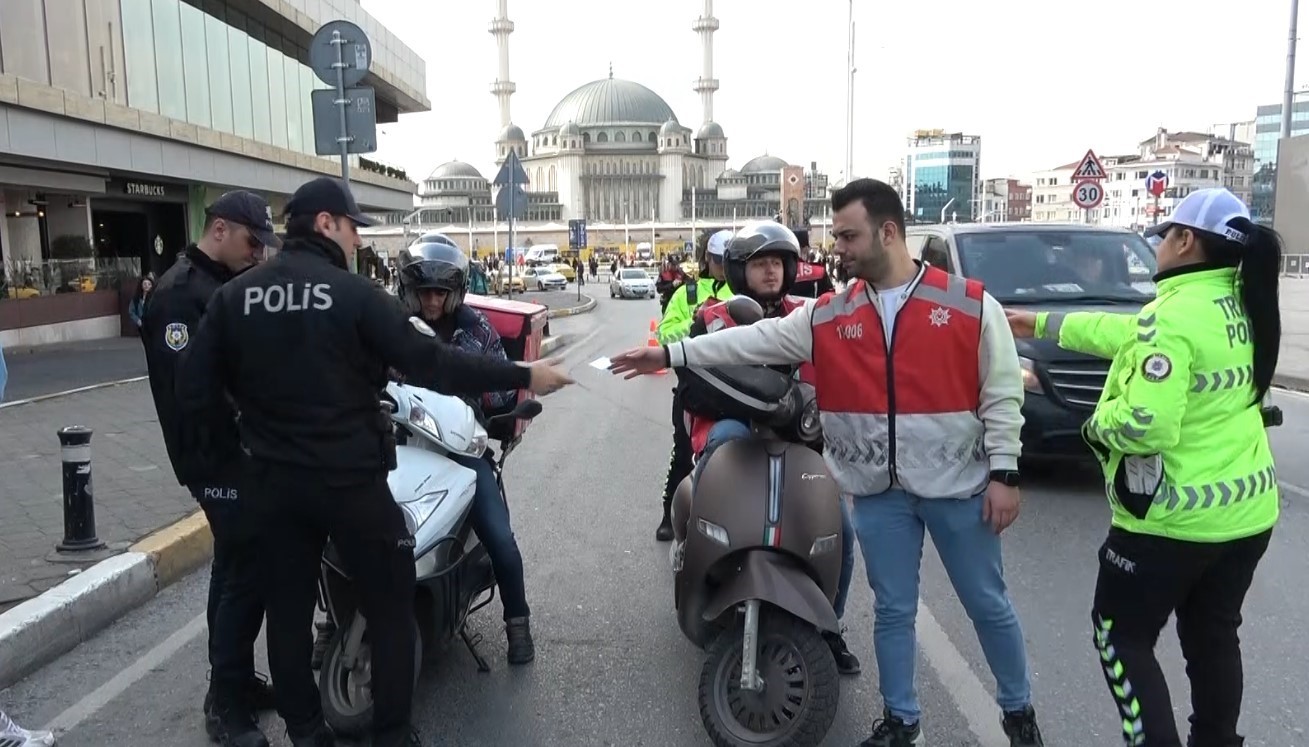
x=1088, y=195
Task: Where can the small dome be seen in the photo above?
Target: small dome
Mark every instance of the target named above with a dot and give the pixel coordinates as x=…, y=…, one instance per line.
x=670, y=128
x=709, y=130
x=454, y=169
x=730, y=174
x=764, y=165
x=512, y=134
x=570, y=130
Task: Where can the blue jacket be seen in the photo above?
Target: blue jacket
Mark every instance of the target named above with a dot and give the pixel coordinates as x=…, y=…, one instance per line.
x=473, y=333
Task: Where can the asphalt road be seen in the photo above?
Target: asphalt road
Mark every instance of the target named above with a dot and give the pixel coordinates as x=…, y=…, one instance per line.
x=58, y=368
x=612, y=667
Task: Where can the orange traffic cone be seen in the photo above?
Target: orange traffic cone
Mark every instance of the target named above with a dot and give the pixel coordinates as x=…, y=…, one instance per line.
x=653, y=342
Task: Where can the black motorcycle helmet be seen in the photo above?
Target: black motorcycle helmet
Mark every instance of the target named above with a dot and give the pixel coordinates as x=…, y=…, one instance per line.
x=433, y=261
x=760, y=239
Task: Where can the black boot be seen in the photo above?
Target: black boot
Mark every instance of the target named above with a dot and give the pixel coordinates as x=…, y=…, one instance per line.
x=846, y=661
x=321, y=736
x=518, y=630
x=213, y=726
x=238, y=728
x=665, y=531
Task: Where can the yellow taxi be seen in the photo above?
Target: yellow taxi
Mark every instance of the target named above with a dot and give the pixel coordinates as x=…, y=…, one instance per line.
x=564, y=269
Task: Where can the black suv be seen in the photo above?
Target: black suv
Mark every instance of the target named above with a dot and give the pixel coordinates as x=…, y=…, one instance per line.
x=1049, y=267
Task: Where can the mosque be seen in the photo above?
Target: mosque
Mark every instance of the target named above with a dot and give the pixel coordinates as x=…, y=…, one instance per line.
x=614, y=152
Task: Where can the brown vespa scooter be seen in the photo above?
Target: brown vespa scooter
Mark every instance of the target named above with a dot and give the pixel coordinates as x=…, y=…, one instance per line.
x=756, y=562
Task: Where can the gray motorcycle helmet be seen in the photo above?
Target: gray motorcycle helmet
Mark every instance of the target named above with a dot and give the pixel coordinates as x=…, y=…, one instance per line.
x=433, y=261
x=759, y=239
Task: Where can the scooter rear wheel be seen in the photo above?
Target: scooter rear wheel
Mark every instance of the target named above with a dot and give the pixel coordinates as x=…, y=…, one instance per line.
x=347, y=694
x=801, y=692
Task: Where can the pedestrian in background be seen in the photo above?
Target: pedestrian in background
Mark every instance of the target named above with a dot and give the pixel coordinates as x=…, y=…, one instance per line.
x=237, y=229
x=136, y=309
x=305, y=367
x=1180, y=435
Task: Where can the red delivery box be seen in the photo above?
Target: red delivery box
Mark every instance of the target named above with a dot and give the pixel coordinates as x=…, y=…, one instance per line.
x=522, y=328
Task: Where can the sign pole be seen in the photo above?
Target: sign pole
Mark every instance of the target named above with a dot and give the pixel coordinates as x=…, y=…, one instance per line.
x=341, y=101
x=513, y=256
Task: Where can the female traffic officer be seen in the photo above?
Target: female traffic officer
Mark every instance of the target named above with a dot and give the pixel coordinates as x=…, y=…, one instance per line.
x=1180, y=436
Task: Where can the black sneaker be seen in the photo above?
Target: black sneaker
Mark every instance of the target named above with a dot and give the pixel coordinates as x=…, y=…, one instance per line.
x=319, y=737
x=518, y=631
x=1021, y=728
x=890, y=731
x=240, y=730
x=846, y=661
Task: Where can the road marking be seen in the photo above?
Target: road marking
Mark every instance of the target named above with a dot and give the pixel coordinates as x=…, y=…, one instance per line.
x=1293, y=392
x=79, y=390
x=100, y=697
x=1288, y=487
x=952, y=669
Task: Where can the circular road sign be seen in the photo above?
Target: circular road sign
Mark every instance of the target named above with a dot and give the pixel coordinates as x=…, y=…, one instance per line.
x=356, y=52
x=1088, y=195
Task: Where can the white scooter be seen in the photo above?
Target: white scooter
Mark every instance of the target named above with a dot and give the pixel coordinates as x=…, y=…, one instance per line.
x=454, y=576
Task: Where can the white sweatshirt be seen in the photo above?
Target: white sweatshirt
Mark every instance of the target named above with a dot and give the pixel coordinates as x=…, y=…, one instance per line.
x=789, y=340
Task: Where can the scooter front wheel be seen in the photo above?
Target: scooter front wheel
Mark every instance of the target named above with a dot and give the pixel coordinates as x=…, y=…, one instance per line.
x=346, y=693
x=801, y=686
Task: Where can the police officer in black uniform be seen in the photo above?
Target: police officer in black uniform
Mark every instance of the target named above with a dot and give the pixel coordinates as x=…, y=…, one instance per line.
x=236, y=230
x=303, y=347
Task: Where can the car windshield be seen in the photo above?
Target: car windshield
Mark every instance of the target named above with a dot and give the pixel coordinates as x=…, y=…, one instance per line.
x=1037, y=266
x=633, y=275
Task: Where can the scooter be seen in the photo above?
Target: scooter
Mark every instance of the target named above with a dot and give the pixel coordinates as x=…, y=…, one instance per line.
x=454, y=576
x=757, y=562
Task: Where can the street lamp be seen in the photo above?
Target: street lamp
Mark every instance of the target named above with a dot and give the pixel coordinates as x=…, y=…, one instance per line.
x=947, y=207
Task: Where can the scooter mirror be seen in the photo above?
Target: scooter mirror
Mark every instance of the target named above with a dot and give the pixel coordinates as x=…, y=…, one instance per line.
x=744, y=310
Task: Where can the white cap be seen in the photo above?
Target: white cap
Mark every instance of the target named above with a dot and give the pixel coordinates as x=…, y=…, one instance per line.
x=718, y=243
x=1209, y=210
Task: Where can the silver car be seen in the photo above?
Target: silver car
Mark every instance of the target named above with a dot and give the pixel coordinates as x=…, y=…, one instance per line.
x=631, y=283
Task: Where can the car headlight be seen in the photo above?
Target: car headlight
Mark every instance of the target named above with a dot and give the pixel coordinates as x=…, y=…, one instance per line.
x=418, y=510
x=423, y=420
x=1031, y=382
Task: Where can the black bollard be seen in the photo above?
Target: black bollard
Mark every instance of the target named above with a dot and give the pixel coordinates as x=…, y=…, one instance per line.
x=79, y=507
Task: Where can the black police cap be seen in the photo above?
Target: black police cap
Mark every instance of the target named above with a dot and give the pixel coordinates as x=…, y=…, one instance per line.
x=247, y=209
x=327, y=195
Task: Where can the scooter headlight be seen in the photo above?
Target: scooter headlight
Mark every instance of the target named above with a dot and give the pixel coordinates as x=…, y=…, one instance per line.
x=477, y=446
x=420, y=509
x=423, y=420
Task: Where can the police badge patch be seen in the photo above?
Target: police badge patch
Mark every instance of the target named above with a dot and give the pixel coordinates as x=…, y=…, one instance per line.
x=1156, y=368
x=176, y=336
x=422, y=326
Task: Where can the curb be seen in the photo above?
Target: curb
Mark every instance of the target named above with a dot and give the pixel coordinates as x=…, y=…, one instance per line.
x=42, y=629
x=574, y=310
x=553, y=343
x=1291, y=381
x=79, y=390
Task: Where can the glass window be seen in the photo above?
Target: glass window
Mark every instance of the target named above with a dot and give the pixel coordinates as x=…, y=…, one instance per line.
x=1044, y=266
x=277, y=97
x=308, y=82
x=195, y=65
x=238, y=53
x=294, y=127
x=259, y=90
x=168, y=59
x=139, y=55
x=937, y=254
x=220, y=75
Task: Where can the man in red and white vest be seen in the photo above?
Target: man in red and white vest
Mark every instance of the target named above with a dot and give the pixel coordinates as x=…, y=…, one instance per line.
x=920, y=392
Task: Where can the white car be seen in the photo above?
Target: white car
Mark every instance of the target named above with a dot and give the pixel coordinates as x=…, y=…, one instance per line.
x=631, y=283
x=543, y=278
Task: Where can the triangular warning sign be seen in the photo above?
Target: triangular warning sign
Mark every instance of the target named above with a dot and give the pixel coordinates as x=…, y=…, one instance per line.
x=1090, y=167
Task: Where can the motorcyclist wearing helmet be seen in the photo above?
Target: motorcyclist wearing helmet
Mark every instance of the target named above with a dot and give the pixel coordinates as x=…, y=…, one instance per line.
x=761, y=261
x=433, y=280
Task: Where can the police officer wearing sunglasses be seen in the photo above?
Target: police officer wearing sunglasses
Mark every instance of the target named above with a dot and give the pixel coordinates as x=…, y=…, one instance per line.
x=237, y=229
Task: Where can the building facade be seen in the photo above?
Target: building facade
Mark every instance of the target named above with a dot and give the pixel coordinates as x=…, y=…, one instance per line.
x=1005, y=200
x=121, y=119
x=941, y=172
x=1267, y=133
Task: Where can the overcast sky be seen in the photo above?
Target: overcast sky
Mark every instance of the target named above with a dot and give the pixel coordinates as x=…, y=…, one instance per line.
x=1039, y=80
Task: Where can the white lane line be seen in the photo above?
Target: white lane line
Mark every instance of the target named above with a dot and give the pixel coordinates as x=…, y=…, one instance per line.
x=1288, y=487
x=971, y=697
x=100, y=697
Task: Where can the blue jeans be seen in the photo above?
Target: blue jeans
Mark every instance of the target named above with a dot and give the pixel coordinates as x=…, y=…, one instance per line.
x=490, y=517
x=890, y=527
x=731, y=430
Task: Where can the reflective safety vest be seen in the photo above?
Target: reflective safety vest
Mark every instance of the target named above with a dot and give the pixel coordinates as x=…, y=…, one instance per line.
x=1177, y=430
x=716, y=318
x=903, y=412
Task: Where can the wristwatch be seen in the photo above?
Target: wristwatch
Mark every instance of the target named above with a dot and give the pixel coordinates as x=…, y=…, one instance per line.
x=1007, y=477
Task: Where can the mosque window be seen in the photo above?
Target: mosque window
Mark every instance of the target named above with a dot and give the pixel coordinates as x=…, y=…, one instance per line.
x=586, y=137
x=620, y=137
x=603, y=138
x=652, y=137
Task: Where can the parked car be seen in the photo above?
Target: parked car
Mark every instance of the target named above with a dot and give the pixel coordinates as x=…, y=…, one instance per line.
x=502, y=282
x=1049, y=267
x=543, y=279
x=564, y=269
x=631, y=282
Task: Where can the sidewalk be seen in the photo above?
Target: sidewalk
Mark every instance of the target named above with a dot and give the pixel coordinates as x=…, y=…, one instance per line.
x=134, y=487
x=1293, y=363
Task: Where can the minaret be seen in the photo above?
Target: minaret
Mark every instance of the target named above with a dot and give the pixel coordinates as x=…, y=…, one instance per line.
x=511, y=137
x=706, y=84
x=503, y=88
